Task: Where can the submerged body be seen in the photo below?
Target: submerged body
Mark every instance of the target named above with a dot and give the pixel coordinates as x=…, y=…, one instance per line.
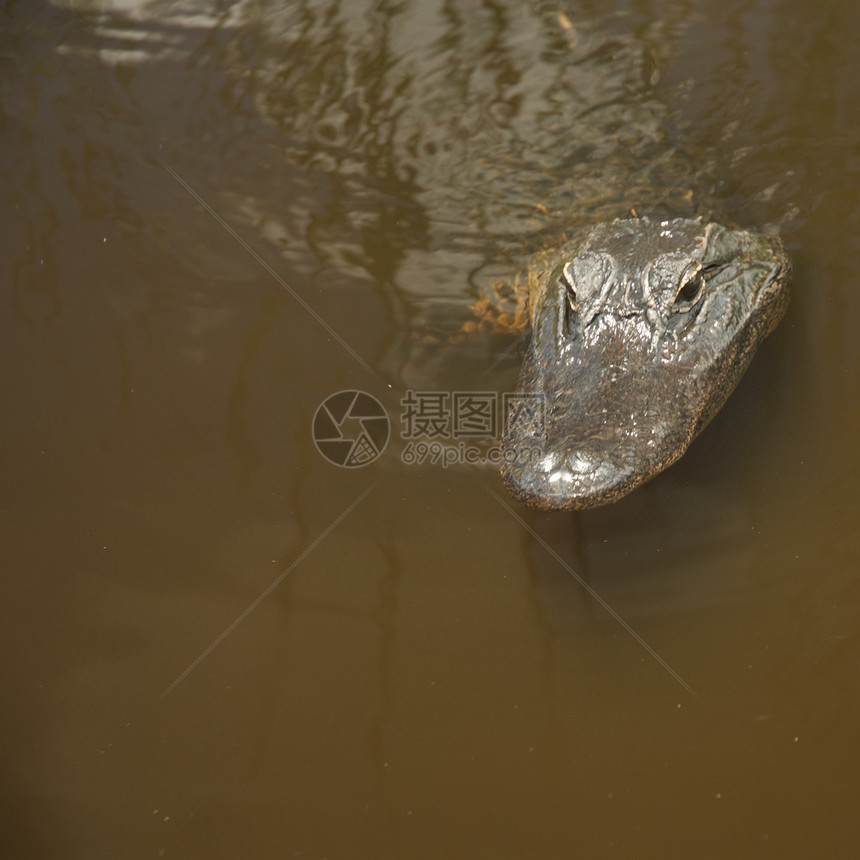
x=640, y=331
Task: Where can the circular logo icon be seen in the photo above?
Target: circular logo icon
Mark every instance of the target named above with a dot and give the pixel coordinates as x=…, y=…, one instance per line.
x=351, y=429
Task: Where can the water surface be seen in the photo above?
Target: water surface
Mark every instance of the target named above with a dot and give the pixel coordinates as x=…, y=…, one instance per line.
x=214, y=217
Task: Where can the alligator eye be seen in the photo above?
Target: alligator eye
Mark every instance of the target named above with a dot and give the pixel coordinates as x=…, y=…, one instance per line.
x=571, y=306
x=688, y=296
x=690, y=291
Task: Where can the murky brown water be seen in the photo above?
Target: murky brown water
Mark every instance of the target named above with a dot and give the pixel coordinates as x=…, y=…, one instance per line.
x=214, y=217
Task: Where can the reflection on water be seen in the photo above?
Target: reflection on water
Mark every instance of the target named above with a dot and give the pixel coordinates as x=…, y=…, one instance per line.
x=216, y=216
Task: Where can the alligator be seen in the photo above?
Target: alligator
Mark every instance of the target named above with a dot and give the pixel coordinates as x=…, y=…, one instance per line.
x=640, y=331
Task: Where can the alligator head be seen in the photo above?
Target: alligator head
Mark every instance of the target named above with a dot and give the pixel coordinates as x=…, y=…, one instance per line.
x=640, y=332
